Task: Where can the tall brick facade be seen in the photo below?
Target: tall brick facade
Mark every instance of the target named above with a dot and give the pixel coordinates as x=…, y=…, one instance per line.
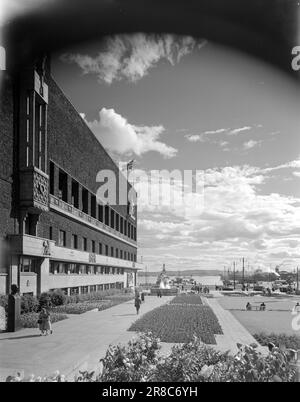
x=54, y=232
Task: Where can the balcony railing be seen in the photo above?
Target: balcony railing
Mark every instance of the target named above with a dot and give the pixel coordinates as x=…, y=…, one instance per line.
x=75, y=213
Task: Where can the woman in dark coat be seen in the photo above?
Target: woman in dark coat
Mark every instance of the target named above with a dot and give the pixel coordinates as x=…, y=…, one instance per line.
x=137, y=303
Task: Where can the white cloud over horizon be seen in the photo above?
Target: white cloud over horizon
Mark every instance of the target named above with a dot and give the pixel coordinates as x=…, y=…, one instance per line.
x=132, y=56
x=114, y=132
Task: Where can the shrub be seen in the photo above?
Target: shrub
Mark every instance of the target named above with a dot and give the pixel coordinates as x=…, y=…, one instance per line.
x=29, y=304
x=45, y=300
x=58, y=297
x=29, y=320
x=132, y=362
x=4, y=301
x=289, y=341
x=186, y=362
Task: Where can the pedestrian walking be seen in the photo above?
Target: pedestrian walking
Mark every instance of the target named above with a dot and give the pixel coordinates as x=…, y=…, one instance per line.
x=44, y=322
x=137, y=303
x=142, y=297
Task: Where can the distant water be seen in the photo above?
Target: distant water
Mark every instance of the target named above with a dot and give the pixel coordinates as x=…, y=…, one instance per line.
x=204, y=280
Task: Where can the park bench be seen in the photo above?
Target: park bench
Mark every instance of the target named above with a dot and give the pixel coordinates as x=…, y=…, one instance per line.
x=256, y=308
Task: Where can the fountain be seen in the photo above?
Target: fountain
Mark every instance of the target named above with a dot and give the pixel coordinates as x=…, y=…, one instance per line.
x=163, y=284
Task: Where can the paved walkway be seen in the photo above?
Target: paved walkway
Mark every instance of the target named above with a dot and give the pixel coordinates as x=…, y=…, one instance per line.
x=76, y=343
x=233, y=331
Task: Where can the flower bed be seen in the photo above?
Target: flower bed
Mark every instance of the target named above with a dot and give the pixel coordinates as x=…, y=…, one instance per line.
x=83, y=307
x=29, y=320
x=80, y=308
x=178, y=323
x=186, y=299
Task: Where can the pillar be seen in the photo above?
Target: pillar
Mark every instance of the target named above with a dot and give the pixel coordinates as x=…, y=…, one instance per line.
x=42, y=276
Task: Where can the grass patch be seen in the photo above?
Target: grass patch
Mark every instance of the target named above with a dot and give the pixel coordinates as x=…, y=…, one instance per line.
x=178, y=323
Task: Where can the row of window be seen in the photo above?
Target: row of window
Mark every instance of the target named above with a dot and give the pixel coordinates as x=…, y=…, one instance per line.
x=87, y=202
x=92, y=288
x=57, y=267
x=92, y=246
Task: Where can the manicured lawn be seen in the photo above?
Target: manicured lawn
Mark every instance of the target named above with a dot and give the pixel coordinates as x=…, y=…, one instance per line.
x=277, y=318
x=177, y=323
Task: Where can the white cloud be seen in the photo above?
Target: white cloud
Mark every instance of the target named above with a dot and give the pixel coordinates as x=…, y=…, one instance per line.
x=117, y=134
x=208, y=135
x=250, y=144
x=297, y=174
x=239, y=130
x=131, y=57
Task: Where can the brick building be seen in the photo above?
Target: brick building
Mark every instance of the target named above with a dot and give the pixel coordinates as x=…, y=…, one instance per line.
x=54, y=231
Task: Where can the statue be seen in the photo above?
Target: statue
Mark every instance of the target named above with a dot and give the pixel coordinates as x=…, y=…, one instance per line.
x=14, y=310
x=163, y=280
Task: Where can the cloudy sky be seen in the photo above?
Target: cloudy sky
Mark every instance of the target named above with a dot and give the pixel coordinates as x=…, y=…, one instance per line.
x=182, y=103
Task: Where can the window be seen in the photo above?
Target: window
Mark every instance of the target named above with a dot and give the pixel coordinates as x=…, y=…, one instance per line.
x=100, y=287
x=112, y=251
x=112, y=218
x=93, y=246
x=121, y=224
x=117, y=222
x=121, y=253
x=73, y=268
x=85, y=200
x=74, y=243
x=62, y=238
x=125, y=227
x=74, y=291
x=75, y=194
x=100, y=213
x=106, y=215
x=39, y=132
x=50, y=232
x=82, y=269
x=85, y=244
x=62, y=268
x=63, y=185
x=51, y=173
x=106, y=250
x=93, y=288
x=93, y=206
x=28, y=265
x=117, y=253
x=125, y=255
x=100, y=248
x=84, y=289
